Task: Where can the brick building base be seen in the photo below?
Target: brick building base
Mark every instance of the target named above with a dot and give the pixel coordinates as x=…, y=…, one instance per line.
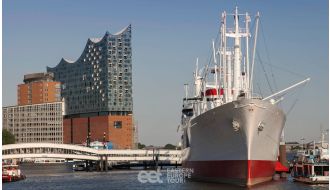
x=118, y=130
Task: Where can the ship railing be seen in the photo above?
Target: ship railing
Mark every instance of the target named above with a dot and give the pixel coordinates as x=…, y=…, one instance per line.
x=256, y=96
x=240, y=30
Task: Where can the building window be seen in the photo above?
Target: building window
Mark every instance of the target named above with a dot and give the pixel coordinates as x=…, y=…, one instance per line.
x=117, y=124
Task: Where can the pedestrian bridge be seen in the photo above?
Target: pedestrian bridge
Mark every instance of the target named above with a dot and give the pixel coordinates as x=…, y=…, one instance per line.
x=68, y=151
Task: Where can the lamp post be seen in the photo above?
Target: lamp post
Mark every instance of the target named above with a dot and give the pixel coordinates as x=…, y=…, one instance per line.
x=88, y=141
x=104, y=146
x=88, y=144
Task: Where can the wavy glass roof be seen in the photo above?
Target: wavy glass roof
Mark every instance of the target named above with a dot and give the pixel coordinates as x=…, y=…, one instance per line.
x=94, y=41
x=100, y=80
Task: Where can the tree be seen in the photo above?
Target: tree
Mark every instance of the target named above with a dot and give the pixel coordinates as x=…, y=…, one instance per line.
x=170, y=147
x=141, y=146
x=7, y=137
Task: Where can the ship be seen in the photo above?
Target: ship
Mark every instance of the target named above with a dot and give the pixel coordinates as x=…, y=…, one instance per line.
x=11, y=173
x=312, y=168
x=229, y=133
x=311, y=165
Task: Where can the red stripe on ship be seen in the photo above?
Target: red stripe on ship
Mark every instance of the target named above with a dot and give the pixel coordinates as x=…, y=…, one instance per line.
x=240, y=172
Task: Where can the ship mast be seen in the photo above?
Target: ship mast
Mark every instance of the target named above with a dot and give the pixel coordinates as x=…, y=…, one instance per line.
x=237, y=58
x=224, y=56
x=234, y=79
x=198, y=80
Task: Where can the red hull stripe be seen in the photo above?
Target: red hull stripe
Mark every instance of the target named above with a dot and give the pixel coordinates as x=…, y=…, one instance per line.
x=280, y=168
x=232, y=169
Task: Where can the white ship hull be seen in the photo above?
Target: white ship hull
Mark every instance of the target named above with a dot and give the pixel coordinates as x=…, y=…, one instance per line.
x=235, y=143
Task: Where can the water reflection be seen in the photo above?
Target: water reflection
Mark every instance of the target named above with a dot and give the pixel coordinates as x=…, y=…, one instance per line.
x=127, y=179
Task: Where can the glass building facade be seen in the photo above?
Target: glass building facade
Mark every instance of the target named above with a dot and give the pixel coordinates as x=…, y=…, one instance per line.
x=100, y=80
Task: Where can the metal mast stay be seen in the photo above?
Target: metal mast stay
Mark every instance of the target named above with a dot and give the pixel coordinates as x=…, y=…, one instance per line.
x=254, y=53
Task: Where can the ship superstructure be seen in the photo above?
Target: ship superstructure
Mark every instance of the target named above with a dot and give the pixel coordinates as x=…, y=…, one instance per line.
x=230, y=134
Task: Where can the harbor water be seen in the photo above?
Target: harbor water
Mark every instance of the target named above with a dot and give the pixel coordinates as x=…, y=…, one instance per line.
x=128, y=179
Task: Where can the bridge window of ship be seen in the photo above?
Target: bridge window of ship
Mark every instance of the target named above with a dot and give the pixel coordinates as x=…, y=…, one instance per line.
x=188, y=112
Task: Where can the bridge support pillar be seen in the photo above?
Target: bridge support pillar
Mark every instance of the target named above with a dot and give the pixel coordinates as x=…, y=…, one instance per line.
x=145, y=165
x=156, y=162
x=87, y=166
x=106, y=163
x=98, y=166
x=101, y=163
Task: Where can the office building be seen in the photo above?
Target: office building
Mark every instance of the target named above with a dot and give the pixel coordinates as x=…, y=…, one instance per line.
x=35, y=122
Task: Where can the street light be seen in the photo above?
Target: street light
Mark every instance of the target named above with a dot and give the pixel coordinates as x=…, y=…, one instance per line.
x=104, y=141
x=88, y=143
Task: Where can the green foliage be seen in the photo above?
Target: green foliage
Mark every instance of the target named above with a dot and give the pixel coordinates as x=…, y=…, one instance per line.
x=170, y=146
x=296, y=148
x=7, y=137
x=141, y=146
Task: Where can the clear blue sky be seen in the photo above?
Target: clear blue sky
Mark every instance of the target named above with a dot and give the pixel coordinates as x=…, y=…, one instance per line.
x=167, y=38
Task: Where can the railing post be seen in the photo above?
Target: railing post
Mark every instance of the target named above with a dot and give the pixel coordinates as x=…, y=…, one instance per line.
x=106, y=163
